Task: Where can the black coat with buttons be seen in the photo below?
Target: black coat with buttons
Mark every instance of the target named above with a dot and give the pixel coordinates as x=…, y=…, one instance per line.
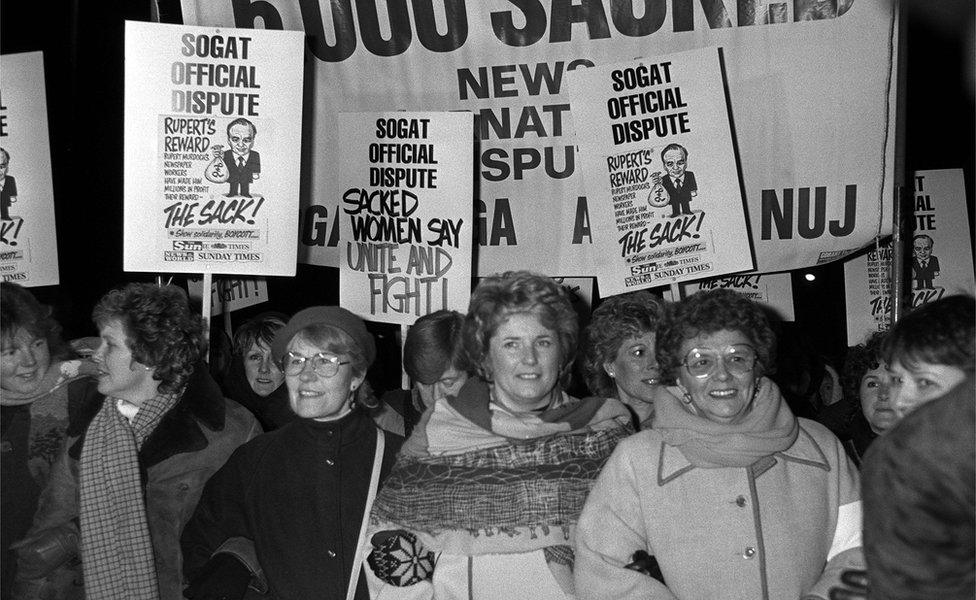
x=298, y=493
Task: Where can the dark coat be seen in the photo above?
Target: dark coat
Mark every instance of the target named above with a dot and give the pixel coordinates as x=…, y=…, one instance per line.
x=919, y=482
x=191, y=442
x=272, y=411
x=290, y=504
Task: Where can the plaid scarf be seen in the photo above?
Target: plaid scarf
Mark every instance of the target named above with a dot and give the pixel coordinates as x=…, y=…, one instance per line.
x=515, y=495
x=117, y=550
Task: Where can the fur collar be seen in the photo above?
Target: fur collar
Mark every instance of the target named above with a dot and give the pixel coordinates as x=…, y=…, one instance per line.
x=180, y=430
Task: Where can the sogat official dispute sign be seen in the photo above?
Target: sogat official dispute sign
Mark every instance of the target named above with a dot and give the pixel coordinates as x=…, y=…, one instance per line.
x=212, y=149
x=405, y=225
x=28, y=240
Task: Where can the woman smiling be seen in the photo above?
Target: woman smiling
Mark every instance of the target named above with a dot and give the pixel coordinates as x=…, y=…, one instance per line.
x=490, y=484
x=733, y=495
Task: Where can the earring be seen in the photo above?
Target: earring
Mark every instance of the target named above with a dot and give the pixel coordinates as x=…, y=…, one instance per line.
x=611, y=374
x=686, y=398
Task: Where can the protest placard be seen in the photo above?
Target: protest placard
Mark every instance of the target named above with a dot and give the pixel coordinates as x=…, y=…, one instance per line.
x=802, y=76
x=660, y=171
x=939, y=261
x=230, y=294
x=28, y=236
x=212, y=149
x=406, y=214
x=775, y=290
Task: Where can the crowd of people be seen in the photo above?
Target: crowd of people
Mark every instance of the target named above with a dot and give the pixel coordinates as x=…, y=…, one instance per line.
x=656, y=453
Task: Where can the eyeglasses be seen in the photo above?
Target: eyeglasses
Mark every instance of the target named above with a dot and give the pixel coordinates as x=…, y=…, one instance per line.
x=325, y=365
x=738, y=360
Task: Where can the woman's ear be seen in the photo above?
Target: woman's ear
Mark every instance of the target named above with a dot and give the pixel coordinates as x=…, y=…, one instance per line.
x=356, y=382
x=608, y=368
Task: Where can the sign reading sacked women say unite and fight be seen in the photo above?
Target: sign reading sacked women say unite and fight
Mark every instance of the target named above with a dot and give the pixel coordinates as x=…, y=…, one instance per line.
x=212, y=149
x=405, y=229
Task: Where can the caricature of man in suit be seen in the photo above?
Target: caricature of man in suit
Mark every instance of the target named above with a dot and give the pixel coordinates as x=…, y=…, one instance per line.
x=680, y=184
x=925, y=267
x=8, y=187
x=243, y=164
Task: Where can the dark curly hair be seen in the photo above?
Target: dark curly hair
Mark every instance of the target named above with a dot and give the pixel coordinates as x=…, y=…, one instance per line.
x=434, y=344
x=706, y=313
x=19, y=308
x=499, y=296
x=335, y=340
x=861, y=359
x=616, y=320
x=938, y=333
x=160, y=330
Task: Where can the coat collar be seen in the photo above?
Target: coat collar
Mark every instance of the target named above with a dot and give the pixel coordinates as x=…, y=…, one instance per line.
x=201, y=404
x=672, y=464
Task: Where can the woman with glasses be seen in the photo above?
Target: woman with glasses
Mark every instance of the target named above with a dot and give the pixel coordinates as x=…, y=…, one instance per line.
x=732, y=494
x=618, y=352
x=286, y=514
x=485, y=495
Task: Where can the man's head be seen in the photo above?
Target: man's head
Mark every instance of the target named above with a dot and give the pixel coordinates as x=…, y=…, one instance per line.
x=4, y=162
x=922, y=246
x=675, y=159
x=240, y=135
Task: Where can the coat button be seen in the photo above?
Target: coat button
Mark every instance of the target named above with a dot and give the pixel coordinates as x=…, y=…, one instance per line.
x=329, y=462
x=749, y=552
x=331, y=554
x=740, y=501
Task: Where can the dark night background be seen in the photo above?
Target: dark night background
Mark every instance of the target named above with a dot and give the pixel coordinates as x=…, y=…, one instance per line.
x=83, y=54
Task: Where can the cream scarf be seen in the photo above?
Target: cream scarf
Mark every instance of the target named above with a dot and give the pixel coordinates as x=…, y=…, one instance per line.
x=769, y=427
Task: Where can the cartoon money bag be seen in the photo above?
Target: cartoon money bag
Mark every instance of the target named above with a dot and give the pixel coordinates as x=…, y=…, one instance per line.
x=217, y=171
x=659, y=197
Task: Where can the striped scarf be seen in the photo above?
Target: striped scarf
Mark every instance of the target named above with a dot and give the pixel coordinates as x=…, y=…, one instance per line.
x=117, y=551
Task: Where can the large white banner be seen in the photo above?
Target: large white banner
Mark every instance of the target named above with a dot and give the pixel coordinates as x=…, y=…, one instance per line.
x=660, y=171
x=405, y=219
x=939, y=259
x=28, y=239
x=212, y=146
x=811, y=85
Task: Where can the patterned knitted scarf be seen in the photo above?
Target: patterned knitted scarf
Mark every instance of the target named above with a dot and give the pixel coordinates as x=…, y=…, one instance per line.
x=515, y=496
x=117, y=551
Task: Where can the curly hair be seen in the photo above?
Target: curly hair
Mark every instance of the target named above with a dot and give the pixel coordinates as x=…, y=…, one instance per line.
x=616, y=320
x=332, y=339
x=499, y=296
x=160, y=330
x=260, y=329
x=708, y=312
x=861, y=359
x=434, y=344
x=19, y=309
x=938, y=333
